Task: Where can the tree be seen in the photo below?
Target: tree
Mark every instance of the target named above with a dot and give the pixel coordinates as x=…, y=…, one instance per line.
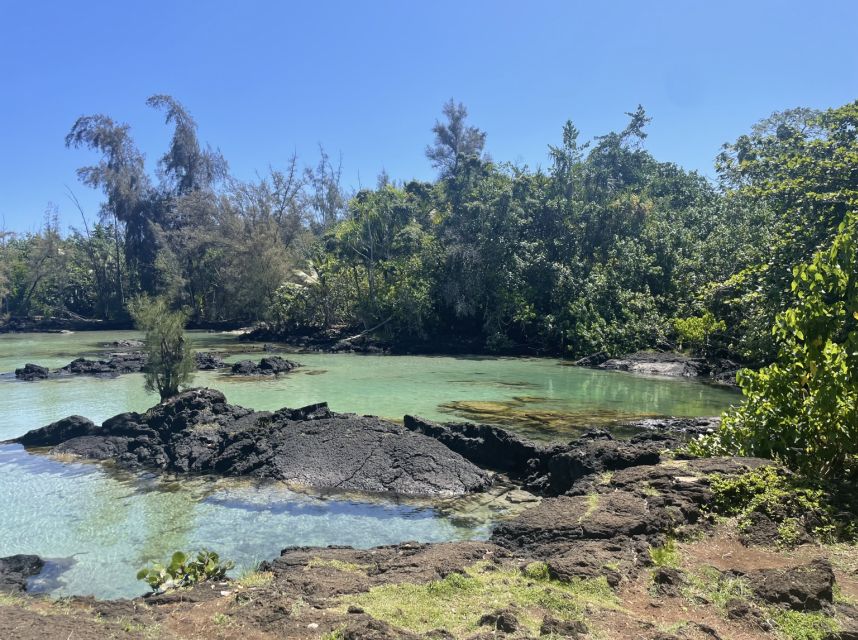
x=170, y=363
x=186, y=165
x=454, y=140
x=800, y=165
x=803, y=408
x=122, y=176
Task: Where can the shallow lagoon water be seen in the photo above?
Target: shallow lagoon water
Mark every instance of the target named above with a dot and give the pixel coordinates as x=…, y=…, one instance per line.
x=101, y=525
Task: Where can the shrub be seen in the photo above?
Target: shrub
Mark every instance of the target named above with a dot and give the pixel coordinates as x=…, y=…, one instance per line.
x=184, y=571
x=693, y=332
x=803, y=408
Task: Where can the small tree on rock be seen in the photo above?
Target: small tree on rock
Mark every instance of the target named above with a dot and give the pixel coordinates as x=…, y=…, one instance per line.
x=169, y=359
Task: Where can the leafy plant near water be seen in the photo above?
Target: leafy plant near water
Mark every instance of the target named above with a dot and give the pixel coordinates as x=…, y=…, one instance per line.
x=184, y=571
x=169, y=363
x=803, y=408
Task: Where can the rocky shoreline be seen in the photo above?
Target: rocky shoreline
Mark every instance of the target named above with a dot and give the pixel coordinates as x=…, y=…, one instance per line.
x=658, y=363
x=590, y=559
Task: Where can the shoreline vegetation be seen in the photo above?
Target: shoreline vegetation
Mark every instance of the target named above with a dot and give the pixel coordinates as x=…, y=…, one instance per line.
x=740, y=528
x=606, y=249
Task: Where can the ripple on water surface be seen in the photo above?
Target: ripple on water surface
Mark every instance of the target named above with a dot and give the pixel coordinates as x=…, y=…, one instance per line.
x=101, y=526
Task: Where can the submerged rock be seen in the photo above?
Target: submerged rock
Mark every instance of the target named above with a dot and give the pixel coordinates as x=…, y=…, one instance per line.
x=16, y=570
x=31, y=372
x=125, y=344
x=269, y=366
x=199, y=432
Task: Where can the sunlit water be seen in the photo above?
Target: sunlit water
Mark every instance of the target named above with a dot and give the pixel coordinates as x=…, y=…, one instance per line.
x=99, y=525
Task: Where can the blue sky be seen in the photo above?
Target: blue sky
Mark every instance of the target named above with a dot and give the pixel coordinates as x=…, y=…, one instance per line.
x=367, y=79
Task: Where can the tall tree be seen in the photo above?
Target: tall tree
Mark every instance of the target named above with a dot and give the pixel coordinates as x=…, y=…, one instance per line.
x=186, y=165
x=454, y=140
x=122, y=177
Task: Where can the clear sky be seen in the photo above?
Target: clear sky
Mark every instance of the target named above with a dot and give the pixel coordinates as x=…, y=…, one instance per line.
x=367, y=79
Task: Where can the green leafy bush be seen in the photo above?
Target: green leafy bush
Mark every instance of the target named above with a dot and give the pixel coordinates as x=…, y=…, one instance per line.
x=693, y=332
x=803, y=409
x=184, y=571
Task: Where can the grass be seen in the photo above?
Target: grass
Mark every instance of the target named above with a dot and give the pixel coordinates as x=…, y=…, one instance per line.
x=255, y=579
x=592, y=506
x=800, y=625
x=649, y=490
x=457, y=602
x=221, y=619
x=605, y=477
x=339, y=565
x=712, y=586
x=336, y=634
x=666, y=555
x=9, y=600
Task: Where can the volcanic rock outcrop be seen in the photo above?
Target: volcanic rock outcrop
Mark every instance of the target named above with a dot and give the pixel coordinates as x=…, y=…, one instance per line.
x=199, y=432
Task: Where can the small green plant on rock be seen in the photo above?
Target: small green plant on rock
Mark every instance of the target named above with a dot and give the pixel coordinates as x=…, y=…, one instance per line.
x=784, y=498
x=184, y=571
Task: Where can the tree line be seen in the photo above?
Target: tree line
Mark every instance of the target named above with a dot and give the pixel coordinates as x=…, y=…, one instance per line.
x=604, y=249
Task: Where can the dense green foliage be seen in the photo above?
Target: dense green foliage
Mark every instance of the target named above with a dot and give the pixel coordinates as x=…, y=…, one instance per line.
x=604, y=249
x=170, y=360
x=184, y=571
x=803, y=408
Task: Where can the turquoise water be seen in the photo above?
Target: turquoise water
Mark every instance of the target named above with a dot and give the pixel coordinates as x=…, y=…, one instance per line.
x=100, y=525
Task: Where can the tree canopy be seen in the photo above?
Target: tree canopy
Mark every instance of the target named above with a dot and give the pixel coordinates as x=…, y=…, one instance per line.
x=605, y=249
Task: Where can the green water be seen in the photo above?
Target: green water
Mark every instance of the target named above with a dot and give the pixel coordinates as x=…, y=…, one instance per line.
x=99, y=526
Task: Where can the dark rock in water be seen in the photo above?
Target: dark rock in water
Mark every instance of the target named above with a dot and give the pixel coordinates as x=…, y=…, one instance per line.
x=271, y=365
x=549, y=470
x=32, y=372
x=482, y=444
x=199, y=432
x=808, y=587
x=117, y=363
x=662, y=364
x=16, y=570
x=57, y=432
x=593, y=360
x=208, y=361
x=689, y=426
x=669, y=364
